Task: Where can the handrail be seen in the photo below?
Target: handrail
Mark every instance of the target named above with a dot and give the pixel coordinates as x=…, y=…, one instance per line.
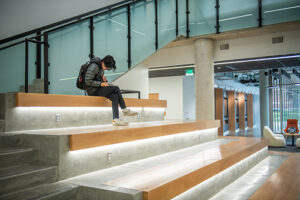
x=76, y=19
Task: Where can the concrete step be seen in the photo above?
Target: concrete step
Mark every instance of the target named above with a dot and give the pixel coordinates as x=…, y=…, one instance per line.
x=246, y=185
x=9, y=141
x=203, y=170
x=38, y=82
x=25, y=176
x=53, y=191
x=1, y=126
x=16, y=156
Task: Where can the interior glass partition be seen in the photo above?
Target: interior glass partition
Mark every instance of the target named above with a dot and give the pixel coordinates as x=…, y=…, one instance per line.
x=166, y=22
x=110, y=38
x=278, y=11
x=142, y=30
x=69, y=49
x=202, y=17
x=238, y=14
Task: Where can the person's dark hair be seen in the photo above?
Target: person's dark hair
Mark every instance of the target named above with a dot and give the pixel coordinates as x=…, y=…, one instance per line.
x=109, y=62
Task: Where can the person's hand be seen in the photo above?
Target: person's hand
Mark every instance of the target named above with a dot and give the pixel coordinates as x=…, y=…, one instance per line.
x=104, y=78
x=104, y=84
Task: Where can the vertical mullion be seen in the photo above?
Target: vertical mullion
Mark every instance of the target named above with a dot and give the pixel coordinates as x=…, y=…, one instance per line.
x=46, y=64
x=91, y=26
x=26, y=66
x=129, y=35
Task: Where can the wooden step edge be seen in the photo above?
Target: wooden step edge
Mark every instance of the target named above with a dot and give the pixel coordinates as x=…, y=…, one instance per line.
x=184, y=183
x=284, y=183
x=89, y=140
x=56, y=100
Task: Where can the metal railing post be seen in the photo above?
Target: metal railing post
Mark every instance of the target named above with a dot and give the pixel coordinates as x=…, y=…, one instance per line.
x=129, y=35
x=259, y=13
x=91, y=26
x=26, y=66
x=187, y=19
x=176, y=12
x=38, y=57
x=46, y=64
x=217, y=16
x=156, y=25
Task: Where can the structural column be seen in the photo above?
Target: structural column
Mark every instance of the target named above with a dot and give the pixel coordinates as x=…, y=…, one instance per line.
x=264, y=99
x=204, y=79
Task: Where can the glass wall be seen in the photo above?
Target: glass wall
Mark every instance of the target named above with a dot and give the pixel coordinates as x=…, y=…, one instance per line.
x=166, y=22
x=286, y=103
x=182, y=17
x=69, y=49
x=238, y=14
x=202, y=17
x=110, y=38
x=278, y=11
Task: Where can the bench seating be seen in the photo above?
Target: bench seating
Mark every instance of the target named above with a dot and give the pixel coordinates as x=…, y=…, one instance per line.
x=56, y=100
x=172, y=179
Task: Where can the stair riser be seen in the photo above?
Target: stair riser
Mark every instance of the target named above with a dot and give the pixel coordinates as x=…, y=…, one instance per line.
x=1, y=126
x=10, y=141
x=18, y=158
x=23, y=181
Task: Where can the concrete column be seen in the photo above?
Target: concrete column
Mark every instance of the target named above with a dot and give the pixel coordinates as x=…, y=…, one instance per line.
x=264, y=100
x=204, y=79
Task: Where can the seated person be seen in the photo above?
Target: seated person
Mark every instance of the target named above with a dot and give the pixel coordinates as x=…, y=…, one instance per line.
x=97, y=85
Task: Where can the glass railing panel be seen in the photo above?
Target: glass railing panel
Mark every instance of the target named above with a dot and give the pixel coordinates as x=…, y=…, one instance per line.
x=69, y=49
x=202, y=17
x=182, y=17
x=142, y=30
x=237, y=14
x=166, y=22
x=110, y=38
x=278, y=11
x=12, y=67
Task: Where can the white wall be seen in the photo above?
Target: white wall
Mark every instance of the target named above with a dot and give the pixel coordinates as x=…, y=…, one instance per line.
x=248, y=47
x=170, y=89
x=18, y=16
x=135, y=79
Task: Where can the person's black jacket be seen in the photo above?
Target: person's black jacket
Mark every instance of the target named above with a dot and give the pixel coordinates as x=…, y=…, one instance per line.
x=94, y=75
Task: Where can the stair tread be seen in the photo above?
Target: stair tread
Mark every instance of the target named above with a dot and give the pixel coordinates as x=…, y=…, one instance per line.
x=247, y=184
x=185, y=168
x=41, y=191
x=21, y=170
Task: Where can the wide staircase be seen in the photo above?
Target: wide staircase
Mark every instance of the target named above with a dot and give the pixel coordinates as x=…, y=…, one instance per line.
x=154, y=159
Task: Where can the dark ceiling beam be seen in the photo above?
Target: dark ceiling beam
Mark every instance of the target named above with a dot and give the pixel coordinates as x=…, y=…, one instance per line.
x=296, y=73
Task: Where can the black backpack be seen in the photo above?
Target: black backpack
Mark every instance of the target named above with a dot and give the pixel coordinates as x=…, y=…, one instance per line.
x=80, y=83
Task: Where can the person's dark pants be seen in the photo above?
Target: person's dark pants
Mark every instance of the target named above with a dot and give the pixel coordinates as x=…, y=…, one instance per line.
x=112, y=93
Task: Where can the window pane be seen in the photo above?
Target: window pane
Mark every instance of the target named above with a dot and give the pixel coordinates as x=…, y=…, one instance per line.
x=238, y=14
x=182, y=17
x=142, y=30
x=277, y=11
x=69, y=49
x=110, y=38
x=202, y=17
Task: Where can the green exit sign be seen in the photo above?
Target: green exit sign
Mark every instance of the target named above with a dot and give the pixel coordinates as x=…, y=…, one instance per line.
x=189, y=72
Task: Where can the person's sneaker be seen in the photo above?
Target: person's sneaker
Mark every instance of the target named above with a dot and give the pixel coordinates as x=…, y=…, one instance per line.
x=128, y=112
x=119, y=122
